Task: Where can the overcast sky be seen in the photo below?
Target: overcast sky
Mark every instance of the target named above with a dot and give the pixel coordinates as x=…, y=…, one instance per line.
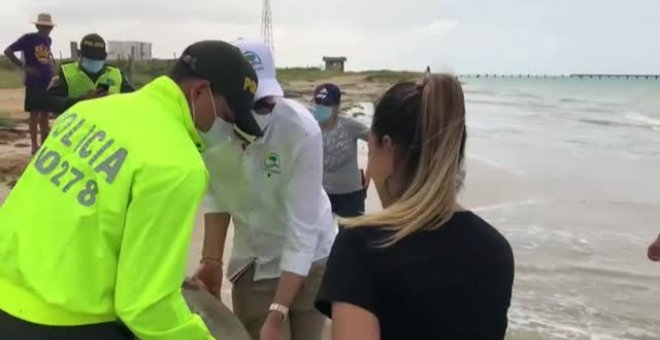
x=464, y=36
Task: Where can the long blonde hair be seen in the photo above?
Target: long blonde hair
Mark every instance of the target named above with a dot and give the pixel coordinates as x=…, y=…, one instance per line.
x=432, y=148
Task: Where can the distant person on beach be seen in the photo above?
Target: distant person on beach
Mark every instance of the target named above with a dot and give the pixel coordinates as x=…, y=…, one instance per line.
x=342, y=179
x=88, y=78
x=38, y=70
x=283, y=225
x=423, y=267
x=654, y=250
x=95, y=236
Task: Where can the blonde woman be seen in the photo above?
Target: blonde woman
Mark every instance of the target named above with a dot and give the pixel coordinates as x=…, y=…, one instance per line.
x=423, y=267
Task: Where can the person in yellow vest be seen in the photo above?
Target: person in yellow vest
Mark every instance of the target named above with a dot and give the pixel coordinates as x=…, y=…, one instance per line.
x=95, y=235
x=89, y=77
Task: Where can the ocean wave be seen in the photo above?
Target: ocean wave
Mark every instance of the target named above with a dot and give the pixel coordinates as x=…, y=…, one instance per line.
x=572, y=101
x=639, y=118
x=517, y=94
x=588, y=271
x=615, y=123
x=516, y=104
x=511, y=204
x=471, y=91
x=598, y=110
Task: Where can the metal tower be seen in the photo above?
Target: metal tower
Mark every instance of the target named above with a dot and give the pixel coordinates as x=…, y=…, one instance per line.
x=267, y=26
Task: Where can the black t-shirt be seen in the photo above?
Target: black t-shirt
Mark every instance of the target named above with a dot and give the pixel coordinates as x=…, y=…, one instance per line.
x=451, y=283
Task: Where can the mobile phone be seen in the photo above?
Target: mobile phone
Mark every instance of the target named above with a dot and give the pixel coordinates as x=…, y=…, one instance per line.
x=238, y=274
x=103, y=87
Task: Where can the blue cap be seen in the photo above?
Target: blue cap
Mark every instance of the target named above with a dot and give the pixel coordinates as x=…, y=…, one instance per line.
x=327, y=95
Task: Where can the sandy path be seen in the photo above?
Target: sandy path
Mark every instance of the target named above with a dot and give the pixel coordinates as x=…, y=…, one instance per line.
x=11, y=103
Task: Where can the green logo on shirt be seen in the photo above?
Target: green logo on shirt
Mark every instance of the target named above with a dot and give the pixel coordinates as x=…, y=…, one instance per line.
x=272, y=164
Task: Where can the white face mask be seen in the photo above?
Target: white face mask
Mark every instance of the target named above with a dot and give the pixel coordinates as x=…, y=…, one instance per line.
x=218, y=132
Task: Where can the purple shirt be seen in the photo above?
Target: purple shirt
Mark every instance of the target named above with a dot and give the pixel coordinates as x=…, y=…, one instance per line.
x=36, y=51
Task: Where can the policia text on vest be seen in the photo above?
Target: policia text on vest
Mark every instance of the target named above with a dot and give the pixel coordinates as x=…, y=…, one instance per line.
x=73, y=84
x=96, y=148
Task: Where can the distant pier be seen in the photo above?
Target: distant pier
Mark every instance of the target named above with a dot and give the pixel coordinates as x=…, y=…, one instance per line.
x=617, y=76
x=576, y=75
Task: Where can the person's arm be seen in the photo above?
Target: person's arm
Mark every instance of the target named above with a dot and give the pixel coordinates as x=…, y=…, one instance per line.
x=154, y=249
x=11, y=50
x=216, y=225
x=352, y=322
x=209, y=272
x=357, y=129
x=126, y=85
x=350, y=303
x=302, y=204
x=58, y=94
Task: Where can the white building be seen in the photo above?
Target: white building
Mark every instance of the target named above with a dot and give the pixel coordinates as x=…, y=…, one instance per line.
x=136, y=50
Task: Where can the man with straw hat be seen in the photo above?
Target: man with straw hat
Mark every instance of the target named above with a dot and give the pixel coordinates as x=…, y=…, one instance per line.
x=38, y=70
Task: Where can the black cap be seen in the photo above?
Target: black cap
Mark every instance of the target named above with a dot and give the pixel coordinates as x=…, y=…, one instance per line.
x=230, y=75
x=92, y=46
x=327, y=94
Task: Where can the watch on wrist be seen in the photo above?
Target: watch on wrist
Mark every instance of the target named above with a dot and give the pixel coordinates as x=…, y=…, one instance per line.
x=281, y=309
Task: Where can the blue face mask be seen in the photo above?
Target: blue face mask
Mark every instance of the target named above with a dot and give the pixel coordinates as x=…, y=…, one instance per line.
x=321, y=113
x=92, y=66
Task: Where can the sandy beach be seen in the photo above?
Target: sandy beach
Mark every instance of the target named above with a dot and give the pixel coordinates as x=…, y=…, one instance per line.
x=566, y=171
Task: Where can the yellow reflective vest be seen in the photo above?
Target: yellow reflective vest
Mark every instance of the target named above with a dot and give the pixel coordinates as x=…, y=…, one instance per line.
x=98, y=227
x=79, y=83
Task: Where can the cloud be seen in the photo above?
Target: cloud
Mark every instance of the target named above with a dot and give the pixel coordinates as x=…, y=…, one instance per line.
x=152, y=12
x=544, y=36
x=436, y=27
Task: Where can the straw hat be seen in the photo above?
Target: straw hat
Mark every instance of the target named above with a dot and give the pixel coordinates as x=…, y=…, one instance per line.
x=44, y=19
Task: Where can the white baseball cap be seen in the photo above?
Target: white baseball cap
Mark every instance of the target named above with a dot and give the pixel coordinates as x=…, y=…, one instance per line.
x=261, y=58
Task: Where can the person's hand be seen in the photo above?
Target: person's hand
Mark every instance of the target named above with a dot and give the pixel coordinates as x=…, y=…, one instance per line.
x=209, y=276
x=273, y=328
x=654, y=250
x=96, y=93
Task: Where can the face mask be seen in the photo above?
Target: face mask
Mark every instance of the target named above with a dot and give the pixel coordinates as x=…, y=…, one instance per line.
x=321, y=113
x=262, y=120
x=220, y=133
x=216, y=133
x=92, y=66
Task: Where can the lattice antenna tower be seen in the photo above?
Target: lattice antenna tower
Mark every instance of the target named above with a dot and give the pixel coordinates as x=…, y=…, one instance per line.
x=267, y=26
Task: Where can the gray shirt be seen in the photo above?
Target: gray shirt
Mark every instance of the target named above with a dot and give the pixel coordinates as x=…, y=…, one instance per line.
x=341, y=174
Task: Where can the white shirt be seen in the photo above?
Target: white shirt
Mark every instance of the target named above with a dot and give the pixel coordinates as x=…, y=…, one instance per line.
x=273, y=190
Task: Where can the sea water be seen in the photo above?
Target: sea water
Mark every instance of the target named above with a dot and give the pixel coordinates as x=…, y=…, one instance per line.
x=580, y=202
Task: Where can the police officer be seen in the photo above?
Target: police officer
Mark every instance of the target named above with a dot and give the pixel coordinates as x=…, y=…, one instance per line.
x=89, y=77
x=97, y=230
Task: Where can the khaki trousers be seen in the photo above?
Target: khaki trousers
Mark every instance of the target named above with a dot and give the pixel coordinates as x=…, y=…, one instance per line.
x=251, y=300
